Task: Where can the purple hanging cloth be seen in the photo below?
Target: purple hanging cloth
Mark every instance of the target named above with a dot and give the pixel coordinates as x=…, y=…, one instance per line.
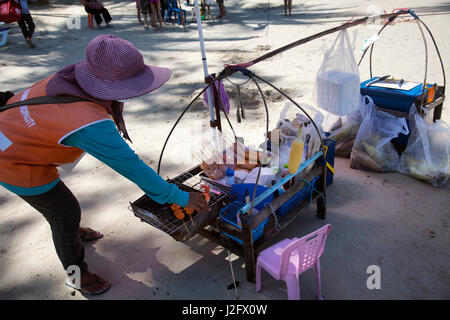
x=225, y=102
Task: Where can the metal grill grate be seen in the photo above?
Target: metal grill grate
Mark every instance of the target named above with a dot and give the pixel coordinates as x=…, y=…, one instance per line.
x=161, y=216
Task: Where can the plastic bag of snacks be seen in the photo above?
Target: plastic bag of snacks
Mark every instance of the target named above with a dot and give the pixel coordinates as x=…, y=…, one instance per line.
x=373, y=150
x=218, y=153
x=426, y=156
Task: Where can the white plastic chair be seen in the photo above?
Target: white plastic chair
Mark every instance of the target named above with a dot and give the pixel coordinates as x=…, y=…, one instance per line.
x=287, y=259
x=3, y=33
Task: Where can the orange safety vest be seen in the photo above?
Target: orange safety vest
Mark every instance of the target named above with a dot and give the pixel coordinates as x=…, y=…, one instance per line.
x=30, y=136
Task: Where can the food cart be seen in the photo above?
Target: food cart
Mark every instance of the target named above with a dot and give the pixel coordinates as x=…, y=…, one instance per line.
x=275, y=210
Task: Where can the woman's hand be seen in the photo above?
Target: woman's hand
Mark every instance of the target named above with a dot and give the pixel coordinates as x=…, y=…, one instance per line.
x=197, y=202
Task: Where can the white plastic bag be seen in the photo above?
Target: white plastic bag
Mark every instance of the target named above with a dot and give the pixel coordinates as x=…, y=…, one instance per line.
x=426, y=156
x=288, y=132
x=373, y=150
x=337, y=85
x=289, y=124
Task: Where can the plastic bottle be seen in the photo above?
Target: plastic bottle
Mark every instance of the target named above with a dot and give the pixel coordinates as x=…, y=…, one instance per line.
x=229, y=176
x=295, y=157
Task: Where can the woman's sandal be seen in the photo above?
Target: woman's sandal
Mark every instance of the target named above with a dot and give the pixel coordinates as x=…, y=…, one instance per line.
x=84, y=289
x=88, y=234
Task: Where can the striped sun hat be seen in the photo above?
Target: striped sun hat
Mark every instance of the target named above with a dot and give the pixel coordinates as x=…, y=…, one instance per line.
x=114, y=69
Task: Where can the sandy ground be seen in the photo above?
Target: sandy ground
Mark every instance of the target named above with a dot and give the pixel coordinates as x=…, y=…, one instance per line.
x=389, y=220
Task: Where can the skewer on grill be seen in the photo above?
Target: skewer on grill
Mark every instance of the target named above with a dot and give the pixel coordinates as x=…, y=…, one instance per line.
x=206, y=193
x=190, y=211
x=179, y=214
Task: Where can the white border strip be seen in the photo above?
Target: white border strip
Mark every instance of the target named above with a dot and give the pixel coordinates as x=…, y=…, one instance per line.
x=78, y=129
x=25, y=95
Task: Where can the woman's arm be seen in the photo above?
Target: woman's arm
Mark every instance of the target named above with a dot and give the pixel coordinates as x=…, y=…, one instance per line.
x=104, y=142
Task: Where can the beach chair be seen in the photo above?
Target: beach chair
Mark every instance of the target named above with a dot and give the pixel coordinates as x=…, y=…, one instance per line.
x=4, y=30
x=172, y=7
x=287, y=259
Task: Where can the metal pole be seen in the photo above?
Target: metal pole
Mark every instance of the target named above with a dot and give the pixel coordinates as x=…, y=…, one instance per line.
x=205, y=65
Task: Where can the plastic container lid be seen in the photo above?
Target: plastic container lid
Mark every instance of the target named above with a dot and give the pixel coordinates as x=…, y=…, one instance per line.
x=229, y=172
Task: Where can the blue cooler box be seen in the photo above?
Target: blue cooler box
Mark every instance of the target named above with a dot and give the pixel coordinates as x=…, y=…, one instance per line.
x=392, y=99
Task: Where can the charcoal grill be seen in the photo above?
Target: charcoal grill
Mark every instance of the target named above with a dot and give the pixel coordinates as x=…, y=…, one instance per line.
x=161, y=216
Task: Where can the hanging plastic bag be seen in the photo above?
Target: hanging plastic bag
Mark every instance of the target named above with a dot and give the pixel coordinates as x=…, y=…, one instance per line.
x=343, y=130
x=373, y=150
x=288, y=132
x=224, y=100
x=337, y=85
x=426, y=156
x=289, y=123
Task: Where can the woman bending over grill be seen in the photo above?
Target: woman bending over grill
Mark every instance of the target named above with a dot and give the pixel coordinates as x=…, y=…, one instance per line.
x=36, y=139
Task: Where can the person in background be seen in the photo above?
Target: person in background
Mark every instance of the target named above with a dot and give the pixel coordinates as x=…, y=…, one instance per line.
x=96, y=8
x=223, y=14
x=138, y=11
x=26, y=24
x=145, y=8
x=55, y=134
x=287, y=7
x=164, y=7
x=156, y=12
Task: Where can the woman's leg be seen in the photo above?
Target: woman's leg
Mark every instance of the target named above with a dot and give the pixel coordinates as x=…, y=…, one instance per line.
x=138, y=11
x=143, y=4
x=31, y=26
x=62, y=211
x=158, y=11
x=96, y=13
x=23, y=26
x=98, y=18
x=27, y=26
x=106, y=15
x=163, y=4
x=290, y=6
x=285, y=7
x=153, y=14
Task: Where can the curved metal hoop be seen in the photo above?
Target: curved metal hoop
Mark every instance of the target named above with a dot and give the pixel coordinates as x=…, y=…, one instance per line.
x=419, y=22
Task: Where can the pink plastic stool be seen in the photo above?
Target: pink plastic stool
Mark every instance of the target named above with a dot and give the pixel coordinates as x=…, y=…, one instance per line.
x=90, y=21
x=287, y=259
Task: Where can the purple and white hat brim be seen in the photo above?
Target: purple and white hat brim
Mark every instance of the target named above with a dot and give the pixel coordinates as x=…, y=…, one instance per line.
x=149, y=79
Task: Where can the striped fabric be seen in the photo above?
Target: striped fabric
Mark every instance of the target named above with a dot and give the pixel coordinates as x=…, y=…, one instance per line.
x=114, y=69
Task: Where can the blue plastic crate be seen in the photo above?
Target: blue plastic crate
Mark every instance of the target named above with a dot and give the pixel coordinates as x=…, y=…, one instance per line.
x=229, y=214
x=297, y=198
x=240, y=188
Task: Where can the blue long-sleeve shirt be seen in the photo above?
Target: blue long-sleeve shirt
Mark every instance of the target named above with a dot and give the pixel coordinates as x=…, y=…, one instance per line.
x=103, y=141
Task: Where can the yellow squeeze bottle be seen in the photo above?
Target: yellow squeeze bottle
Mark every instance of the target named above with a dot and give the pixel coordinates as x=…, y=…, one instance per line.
x=295, y=156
